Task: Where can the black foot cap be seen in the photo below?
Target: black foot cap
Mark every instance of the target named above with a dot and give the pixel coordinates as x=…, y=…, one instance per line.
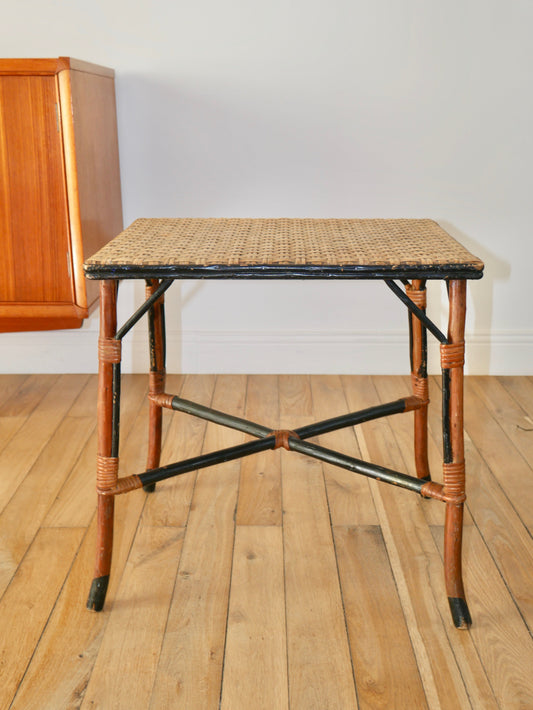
x=96, y=599
x=460, y=614
x=149, y=488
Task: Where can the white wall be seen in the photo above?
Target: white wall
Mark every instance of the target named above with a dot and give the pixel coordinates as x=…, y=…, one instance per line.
x=348, y=108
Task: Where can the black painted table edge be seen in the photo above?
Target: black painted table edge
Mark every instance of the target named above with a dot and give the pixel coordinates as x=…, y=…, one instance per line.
x=282, y=271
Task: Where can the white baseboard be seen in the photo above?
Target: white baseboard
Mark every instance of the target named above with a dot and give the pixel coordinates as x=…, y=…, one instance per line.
x=362, y=352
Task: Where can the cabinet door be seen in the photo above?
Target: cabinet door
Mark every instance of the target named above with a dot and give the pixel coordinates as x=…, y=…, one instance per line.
x=34, y=237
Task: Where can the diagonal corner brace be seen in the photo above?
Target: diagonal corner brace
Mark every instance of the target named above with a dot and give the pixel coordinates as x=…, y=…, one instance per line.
x=419, y=313
x=139, y=313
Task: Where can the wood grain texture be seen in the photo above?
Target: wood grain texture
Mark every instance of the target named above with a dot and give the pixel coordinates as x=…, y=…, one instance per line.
x=256, y=644
x=464, y=650
x=502, y=639
x=376, y=625
x=47, y=476
x=60, y=197
x=18, y=397
x=25, y=607
x=320, y=668
x=500, y=525
x=17, y=458
x=404, y=529
x=76, y=500
x=145, y=593
x=349, y=497
x=260, y=482
x=89, y=120
x=190, y=667
x=73, y=635
x=521, y=389
x=70, y=641
x=9, y=384
x=401, y=425
x=33, y=195
x=32, y=67
x=297, y=614
x=505, y=461
x=185, y=437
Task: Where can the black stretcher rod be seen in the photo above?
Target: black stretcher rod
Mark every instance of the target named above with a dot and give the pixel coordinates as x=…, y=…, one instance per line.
x=304, y=447
x=213, y=415
x=205, y=460
x=370, y=470
x=304, y=432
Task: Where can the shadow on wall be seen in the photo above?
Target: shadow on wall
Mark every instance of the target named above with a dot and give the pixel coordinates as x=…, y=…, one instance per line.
x=210, y=153
x=175, y=303
x=481, y=292
x=203, y=153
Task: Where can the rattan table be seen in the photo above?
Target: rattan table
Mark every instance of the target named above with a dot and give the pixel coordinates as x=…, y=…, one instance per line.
x=404, y=253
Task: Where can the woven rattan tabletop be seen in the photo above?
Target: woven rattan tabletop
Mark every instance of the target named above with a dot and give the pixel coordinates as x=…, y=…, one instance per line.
x=283, y=248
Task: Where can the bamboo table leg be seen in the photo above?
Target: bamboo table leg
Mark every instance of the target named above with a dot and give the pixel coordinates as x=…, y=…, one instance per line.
x=157, y=377
x=419, y=377
x=109, y=357
x=452, y=492
x=452, y=362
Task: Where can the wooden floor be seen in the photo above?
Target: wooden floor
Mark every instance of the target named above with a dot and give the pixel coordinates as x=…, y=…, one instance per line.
x=272, y=582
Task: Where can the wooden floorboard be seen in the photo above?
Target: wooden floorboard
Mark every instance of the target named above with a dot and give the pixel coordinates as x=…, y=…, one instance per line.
x=270, y=582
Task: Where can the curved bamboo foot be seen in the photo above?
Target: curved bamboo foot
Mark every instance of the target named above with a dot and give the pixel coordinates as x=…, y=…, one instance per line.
x=460, y=614
x=97, y=593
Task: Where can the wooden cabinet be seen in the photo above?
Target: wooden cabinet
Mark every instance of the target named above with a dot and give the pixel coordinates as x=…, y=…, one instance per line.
x=60, y=197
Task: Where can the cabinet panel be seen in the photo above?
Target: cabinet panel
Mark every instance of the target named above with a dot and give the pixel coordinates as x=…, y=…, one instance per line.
x=93, y=175
x=60, y=198
x=34, y=233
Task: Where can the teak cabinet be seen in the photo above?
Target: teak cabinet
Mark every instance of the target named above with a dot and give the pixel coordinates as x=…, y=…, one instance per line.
x=60, y=198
